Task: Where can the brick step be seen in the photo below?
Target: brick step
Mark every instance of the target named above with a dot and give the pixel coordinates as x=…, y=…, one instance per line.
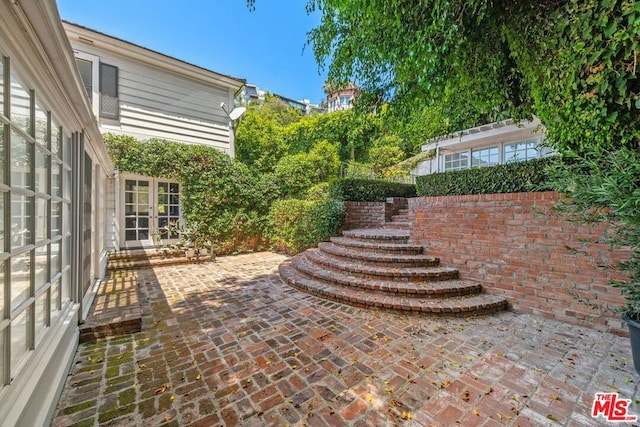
x=115, y=309
x=134, y=264
x=440, y=289
x=400, y=218
x=407, y=274
x=378, y=235
x=403, y=211
x=378, y=247
x=378, y=259
x=455, y=306
x=398, y=225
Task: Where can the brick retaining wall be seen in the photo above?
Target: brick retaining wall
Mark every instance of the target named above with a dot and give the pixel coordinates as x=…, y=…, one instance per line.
x=514, y=245
x=372, y=214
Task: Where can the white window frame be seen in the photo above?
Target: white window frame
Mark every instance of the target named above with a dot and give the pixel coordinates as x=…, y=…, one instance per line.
x=488, y=150
x=95, y=79
x=445, y=161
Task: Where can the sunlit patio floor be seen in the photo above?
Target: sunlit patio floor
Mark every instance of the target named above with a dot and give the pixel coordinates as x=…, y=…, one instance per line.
x=227, y=343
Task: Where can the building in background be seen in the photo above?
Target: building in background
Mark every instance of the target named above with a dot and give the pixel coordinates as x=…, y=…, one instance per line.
x=486, y=145
x=252, y=93
x=339, y=99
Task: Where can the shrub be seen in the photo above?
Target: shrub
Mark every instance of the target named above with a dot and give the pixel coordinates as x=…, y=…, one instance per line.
x=369, y=190
x=295, y=174
x=296, y=225
x=508, y=178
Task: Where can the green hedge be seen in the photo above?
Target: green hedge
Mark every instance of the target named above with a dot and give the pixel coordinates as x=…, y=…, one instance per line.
x=508, y=178
x=368, y=190
x=296, y=225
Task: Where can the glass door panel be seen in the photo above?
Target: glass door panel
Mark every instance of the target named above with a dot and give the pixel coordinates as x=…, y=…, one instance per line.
x=136, y=212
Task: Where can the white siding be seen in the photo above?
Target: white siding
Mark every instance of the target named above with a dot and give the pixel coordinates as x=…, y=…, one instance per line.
x=155, y=103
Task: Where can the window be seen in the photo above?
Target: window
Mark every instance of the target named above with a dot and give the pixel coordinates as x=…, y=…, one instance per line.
x=485, y=157
x=521, y=151
x=456, y=161
x=101, y=83
x=87, y=76
x=345, y=101
x=31, y=211
x=109, y=91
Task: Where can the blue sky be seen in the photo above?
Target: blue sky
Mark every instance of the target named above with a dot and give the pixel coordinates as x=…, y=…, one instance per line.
x=264, y=46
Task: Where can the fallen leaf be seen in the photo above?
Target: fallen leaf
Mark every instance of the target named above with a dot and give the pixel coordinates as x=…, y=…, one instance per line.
x=476, y=412
x=162, y=388
x=552, y=417
x=555, y=397
x=465, y=396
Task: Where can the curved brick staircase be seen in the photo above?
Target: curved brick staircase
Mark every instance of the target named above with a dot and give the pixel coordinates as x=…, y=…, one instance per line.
x=379, y=268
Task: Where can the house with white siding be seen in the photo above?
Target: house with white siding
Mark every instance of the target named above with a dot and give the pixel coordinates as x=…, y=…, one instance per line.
x=145, y=94
x=62, y=205
x=487, y=145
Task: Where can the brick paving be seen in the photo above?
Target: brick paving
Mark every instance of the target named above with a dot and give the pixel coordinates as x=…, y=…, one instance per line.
x=227, y=343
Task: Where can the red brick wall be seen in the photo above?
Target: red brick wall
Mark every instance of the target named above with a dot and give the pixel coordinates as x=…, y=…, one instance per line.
x=364, y=215
x=372, y=214
x=515, y=245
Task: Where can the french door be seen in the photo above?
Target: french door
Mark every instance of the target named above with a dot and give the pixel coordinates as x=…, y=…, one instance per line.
x=149, y=205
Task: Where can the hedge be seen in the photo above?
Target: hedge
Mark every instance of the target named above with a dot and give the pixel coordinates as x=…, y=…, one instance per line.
x=296, y=225
x=369, y=190
x=508, y=178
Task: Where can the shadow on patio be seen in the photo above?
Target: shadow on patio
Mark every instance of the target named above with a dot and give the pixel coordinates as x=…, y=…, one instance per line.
x=229, y=343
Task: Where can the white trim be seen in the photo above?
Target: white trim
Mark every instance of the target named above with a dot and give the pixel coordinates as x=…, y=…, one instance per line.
x=31, y=399
x=140, y=54
x=95, y=79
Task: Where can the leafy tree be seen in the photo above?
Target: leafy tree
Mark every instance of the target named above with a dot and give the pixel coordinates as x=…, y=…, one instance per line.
x=325, y=159
x=386, y=152
x=259, y=142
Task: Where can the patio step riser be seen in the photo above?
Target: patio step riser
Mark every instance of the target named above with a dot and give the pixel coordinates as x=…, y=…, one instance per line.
x=462, y=307
x=381, y=272
x=398, y=225
x=441, y=289
x=377, y=259
x=377, y=236
x=382, y=248
x=136, y=264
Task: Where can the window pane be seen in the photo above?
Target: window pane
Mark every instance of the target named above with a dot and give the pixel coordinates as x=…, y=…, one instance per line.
x=42, y=171
x=3, y=198
x=20, y=220
x=85, y=73
x=20, y=279
x=55, y=257
x=19, y=345
x=42, y=266
x=56, y=180
x=55, y=138
x=55, y=299
x=66, y=217
x=1, y=112
x=66, y=150
x=41, y=219
x=65, y=288
x=66, y=183
x=3, y=281
x=2, y=361
x=42, y=125
x=20, y=162
x=56, y=219
x=108, y=91
x=20, y=105
x=42, y=314
x=2, y=178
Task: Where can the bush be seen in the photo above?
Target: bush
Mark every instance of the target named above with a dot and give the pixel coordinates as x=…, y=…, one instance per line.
x=296, y=225
x=508, y=178
x=369, y=190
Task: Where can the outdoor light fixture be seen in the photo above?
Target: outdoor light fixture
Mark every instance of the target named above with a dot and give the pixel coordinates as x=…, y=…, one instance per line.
x=235, y=114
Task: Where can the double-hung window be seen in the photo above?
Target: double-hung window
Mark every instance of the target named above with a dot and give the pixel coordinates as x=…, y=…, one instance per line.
x=101, y=83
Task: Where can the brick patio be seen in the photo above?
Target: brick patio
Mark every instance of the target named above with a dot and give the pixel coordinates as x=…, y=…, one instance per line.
x=227, y=343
